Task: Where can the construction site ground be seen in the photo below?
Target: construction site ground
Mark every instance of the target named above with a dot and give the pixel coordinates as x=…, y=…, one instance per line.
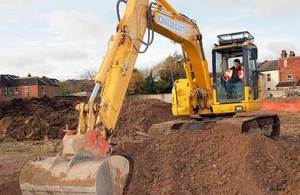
x=218, y=159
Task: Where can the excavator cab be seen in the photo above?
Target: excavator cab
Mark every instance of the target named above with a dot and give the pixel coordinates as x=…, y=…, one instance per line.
x=241, y=85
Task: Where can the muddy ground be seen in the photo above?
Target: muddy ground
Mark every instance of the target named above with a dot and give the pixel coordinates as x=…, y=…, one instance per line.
x=214, y=160
x=13, y=157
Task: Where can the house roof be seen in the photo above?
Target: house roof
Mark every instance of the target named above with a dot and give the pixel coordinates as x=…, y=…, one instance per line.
x=6, y=80
x=268, y=66
x=43, y=81
x=288, y=84
x=50, y=81
x=10, y=80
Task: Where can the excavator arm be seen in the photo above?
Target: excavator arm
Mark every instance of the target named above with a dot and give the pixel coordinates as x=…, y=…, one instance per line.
x=192, y=95
x=115, y=72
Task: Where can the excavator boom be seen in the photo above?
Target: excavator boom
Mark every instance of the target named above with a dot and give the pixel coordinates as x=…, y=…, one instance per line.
x=84, y=166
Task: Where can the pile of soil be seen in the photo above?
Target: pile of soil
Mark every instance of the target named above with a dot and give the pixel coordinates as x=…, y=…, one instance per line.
x=36, y=119
x=216, y=161
x=139, y=115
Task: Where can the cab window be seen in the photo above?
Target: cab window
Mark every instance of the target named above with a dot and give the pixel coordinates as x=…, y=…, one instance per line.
x=228, y=88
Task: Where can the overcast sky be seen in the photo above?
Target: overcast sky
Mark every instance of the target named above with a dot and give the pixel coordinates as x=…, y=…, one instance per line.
x=63, y=38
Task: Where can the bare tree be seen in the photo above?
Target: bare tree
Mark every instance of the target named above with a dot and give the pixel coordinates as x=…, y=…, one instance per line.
x=88, y=74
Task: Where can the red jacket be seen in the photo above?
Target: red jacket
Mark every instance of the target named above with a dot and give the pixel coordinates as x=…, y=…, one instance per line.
x=228, y=74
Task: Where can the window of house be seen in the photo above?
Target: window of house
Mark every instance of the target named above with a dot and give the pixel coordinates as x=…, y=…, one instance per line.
x=285, y=63
x=43, y=90
x=268, y=77
x=269, y=89
x=5, y=90
x=26, y=89
x=16, y=91
x=290, y=77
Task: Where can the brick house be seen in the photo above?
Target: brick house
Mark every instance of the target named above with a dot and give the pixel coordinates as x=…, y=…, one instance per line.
x=289, y=67
x=27, y=87
x=281, y=76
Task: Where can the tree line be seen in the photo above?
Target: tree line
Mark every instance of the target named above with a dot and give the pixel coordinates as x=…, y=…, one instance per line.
x=156, y=80
x=159, y=79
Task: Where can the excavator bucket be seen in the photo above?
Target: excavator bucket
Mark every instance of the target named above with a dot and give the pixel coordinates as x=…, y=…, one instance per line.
x=105, y=176
x=76, y=172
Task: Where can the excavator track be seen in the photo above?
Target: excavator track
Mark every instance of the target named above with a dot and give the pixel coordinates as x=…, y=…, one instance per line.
x=265, y=124
x=268, y=125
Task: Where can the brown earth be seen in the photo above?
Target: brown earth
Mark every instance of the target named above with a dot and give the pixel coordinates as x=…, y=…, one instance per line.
x=10, y=166
x=216, y=161
x=36, y=119
x=13, y=157
x=219, y=160
x=139, y=115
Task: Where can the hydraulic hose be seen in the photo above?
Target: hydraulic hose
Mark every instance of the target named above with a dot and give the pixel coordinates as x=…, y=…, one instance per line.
x=150, y=31
x=118, y=8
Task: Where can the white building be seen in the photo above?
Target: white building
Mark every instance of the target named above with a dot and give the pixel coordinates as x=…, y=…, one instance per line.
x=270, y=70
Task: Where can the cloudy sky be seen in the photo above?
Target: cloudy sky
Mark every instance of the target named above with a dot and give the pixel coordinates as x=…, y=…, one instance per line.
x=63, y=38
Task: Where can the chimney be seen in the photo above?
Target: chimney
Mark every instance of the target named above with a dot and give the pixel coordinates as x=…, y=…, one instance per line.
x=292, y=54
x=284, y=54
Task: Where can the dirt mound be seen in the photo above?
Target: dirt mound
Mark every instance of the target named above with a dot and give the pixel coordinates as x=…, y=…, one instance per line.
x=140, y=115
x=36, y=119
x=216, y=161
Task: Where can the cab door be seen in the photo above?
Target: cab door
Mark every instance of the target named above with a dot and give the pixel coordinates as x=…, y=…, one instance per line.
x=223, y=60
x=251, y=71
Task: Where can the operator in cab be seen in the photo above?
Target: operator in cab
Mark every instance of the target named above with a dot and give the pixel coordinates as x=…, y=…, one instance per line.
x=234, y=78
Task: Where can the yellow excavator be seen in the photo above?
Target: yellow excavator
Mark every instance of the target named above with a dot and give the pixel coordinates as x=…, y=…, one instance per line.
x=85, y=165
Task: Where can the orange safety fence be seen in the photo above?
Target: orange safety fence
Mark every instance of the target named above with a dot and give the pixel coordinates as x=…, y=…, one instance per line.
x=289, y=106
